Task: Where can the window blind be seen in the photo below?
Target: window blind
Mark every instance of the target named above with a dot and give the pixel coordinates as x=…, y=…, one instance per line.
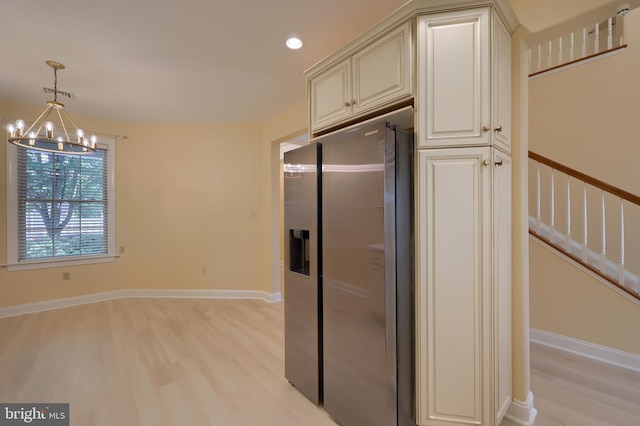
x=62, y=204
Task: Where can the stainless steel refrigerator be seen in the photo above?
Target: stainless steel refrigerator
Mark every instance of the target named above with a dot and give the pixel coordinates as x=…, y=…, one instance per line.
x=349, y=338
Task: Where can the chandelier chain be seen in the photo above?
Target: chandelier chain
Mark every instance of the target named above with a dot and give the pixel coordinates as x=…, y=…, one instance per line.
x=55, y=84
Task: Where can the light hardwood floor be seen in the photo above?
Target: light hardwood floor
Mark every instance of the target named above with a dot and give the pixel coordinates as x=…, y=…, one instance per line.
x=156, y=362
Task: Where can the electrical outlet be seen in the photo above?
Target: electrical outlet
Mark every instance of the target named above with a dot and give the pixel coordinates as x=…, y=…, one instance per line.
x=66, y=276
x=121, y=250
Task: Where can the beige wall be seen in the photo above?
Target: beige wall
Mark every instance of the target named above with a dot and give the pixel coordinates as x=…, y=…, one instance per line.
x=183, y=204
x=191, y=203
x=585, y=117
x=567, y=301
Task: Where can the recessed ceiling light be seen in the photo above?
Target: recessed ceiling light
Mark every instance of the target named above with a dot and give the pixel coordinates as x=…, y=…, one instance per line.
x=294, y=43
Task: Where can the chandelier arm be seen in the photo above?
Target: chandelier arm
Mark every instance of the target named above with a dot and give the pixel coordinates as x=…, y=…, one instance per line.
x=70, y=119
x=63, y=126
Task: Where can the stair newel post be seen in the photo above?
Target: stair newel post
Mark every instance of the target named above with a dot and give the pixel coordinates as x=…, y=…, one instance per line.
x=538, y=220
x=530, y=67
x=585, y=253
x=603, y=255
x=568, y=236
x=552, y=231
x=621, y=271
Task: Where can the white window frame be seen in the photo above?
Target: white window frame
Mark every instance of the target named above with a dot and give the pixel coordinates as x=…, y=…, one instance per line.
x=13, y=262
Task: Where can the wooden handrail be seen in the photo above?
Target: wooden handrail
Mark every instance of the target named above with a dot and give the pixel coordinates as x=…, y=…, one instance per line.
x=628, y=196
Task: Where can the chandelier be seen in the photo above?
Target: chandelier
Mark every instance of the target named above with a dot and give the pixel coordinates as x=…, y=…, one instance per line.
x=42, y=136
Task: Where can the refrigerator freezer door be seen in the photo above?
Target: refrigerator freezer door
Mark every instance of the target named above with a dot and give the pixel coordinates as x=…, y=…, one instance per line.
x=356, y=381
x=303, y=326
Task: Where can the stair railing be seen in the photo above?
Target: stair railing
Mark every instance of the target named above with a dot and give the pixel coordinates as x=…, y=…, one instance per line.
x=561, y=194
x=602, y=39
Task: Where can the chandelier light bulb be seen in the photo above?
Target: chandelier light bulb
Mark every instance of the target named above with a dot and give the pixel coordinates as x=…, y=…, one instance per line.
x=49, y=128
x=32, y=138
x=94, y=139
x=19, y=128
x=12, y=130
x=80, y=134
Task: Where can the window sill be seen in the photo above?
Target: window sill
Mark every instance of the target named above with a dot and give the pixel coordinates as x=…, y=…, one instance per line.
x=59, y=263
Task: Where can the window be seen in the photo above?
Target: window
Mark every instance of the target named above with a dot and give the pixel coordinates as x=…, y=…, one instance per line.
x=60, y=208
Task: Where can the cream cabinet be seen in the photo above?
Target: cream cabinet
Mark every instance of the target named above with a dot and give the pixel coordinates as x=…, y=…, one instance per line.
x=501, y=93
x=464, y=286
x=377, y=75
x=454, y=287
x=464, y=78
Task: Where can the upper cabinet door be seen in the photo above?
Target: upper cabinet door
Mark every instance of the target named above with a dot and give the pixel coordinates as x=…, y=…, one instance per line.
x=501, y=114
x=331, y=95
x=453, y=79
x=382, y=71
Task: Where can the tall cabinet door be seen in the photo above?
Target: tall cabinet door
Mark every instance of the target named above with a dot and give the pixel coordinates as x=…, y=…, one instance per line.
x=453, y=293
x=453, y=79
x=331, y=96
x=501, y=281
x=382, y=71
x=501, y=60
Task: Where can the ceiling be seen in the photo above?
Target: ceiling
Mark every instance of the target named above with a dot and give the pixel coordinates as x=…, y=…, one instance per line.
x=184, y=61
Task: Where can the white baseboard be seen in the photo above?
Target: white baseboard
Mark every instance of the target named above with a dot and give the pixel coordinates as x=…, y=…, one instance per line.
x=522, y=413
x=29, y=308
x=586, y=349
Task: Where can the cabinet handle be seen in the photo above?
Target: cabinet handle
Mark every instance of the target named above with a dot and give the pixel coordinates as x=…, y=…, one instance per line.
x=498, y=129
x=353, y=101
x=347, y=103
x=499, y=163
x=486, y=128
x=486, y=162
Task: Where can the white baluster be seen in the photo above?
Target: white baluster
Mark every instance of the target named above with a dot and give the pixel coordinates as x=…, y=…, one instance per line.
x=596, y=41
x=549, y=60
x=552, y=236
x=610, y=34
x=585, y=248
x=571, y=53
x=568, y=236
x=539, y=57
x=603, y=255
x=584, y=42
x=560, y=58
x=538, y=220
x=621, y=266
